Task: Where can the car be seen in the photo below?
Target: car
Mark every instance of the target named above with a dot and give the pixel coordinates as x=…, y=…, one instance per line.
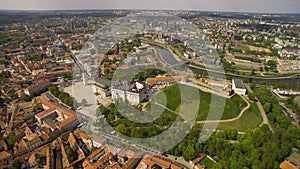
x=79, y=108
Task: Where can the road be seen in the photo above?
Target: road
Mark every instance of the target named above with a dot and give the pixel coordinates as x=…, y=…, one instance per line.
x=251, y=78
x=290, y=114
x=214, y=121
x=261, y=110
x=208, y=90
x=263, y=115
x=229, y=120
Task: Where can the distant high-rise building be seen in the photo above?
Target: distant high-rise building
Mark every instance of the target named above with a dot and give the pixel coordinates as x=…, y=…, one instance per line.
x=175, y=25
x=144, y=25
x=72, y=25
x=84, y=79
x=167, y=23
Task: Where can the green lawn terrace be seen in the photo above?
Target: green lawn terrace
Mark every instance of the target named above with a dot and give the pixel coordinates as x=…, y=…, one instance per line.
x=204, y=161
x=250, y=119
x=173, y=101
x=208, y=163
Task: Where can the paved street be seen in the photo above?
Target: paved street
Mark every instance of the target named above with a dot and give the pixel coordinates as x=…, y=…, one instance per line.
x=229, y=120
x=79, y=92
x=264, y=115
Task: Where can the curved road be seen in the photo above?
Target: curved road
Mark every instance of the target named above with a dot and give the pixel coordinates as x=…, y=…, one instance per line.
x=229, y=120
x=263, y=115
x=257, y=79
x=214, y=121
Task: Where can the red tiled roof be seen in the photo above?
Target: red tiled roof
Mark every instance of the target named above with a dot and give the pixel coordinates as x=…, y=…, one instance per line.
x=50, y=123
x=158, y=160
x=97, y=151
x=161, y=161
x=52, y=107
x=198, y=159
x=38, y=83
x=113, y=165
x=174, y=166
x=45, y=112
x=287, y=165
x=155, y=80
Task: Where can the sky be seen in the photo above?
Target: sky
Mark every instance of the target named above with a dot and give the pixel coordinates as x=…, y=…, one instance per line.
x=265, y=6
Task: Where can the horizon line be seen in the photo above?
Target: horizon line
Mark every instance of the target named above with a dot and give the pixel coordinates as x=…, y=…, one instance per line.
x=137, y=9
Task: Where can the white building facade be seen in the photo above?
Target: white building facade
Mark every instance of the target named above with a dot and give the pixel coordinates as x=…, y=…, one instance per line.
x=238, y=87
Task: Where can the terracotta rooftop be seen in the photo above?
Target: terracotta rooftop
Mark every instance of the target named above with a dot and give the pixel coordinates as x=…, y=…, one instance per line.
x=287, y=165
x=38, y=83
x=97, y=151
x=4, y=154
x=198, y=159
x=129, y=162
x=155, y=80
x=51, y=107
x=113, y=165
x=45, y=112
x=175, y=166
x=50, y=123
x=81, y=134
x=3, y=144
x=161, y=161
x=200, y=166
x=150, y=161
x=127, y=153
x=105, y=158
x=294, y=158
x=72, y=140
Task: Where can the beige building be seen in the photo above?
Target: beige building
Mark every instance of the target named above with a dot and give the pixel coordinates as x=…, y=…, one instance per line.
x=102, y=87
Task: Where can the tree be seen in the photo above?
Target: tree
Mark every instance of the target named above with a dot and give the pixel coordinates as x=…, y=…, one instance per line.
x=93, y=149
x=110, y=117
x=121, y=128
x=70, y=153
x=267, y=107
x=16, y=164
x=283, y=120
x=272, y=64
x=12, y=140
x=189, y=153
x=261, y=69
x=298, y=144
x=84, y=102
x=253, y=72
x=111, y=51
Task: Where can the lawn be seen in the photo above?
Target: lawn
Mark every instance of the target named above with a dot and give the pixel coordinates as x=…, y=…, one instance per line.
x=172, y=97
x=209, y=163
x=250, y=119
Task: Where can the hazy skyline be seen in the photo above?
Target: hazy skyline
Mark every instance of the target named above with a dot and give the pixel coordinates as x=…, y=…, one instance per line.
x=266, y=6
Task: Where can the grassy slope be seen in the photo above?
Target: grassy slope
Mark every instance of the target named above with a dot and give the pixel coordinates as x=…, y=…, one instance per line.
x=249, y=120
x=232, y=108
